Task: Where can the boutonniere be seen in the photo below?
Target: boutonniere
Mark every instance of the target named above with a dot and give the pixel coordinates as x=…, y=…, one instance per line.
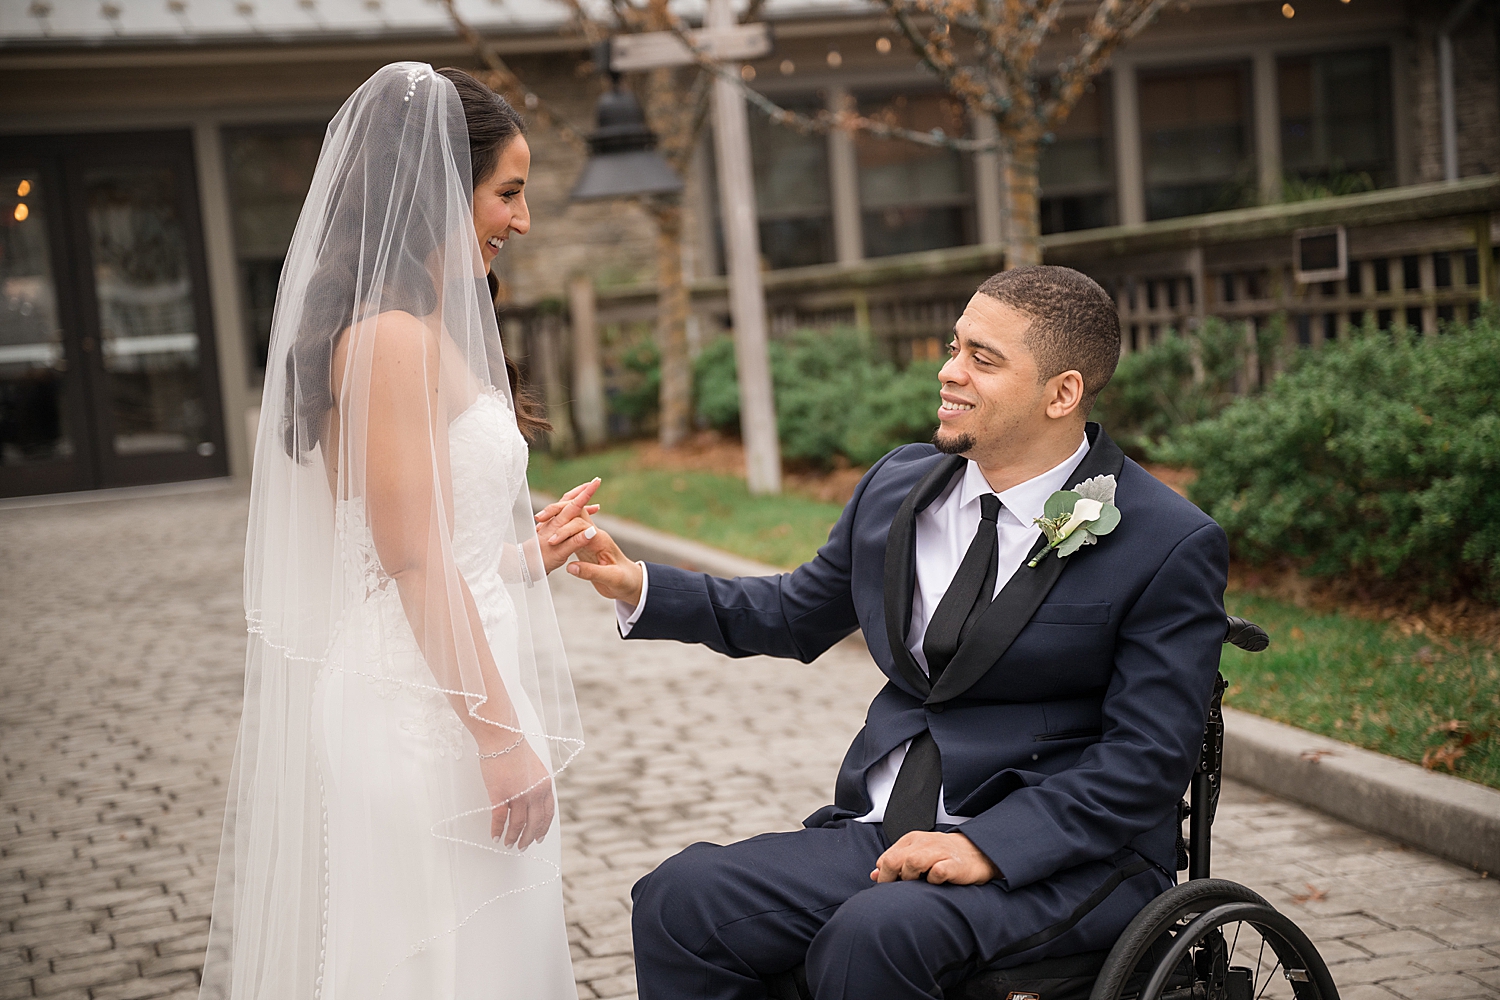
x=1075, y=518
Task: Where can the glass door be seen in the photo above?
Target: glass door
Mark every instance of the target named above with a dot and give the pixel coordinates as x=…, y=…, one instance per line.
x=44, y=445
x=120, y=387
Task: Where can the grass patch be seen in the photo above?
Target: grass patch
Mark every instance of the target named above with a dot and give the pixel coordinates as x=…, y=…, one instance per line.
x=1365, y=683
x=714, y=509
x=1348, y=678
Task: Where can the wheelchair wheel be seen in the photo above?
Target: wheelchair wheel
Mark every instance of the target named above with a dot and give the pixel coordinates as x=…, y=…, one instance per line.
x=1210, y=939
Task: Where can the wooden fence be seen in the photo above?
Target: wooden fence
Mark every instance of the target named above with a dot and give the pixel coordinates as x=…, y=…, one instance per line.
x=1417, y=257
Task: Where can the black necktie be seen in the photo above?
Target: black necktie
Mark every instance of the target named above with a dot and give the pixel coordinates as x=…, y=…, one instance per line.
x=914, y=797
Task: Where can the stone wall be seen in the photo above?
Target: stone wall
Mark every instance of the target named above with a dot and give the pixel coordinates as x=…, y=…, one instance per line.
x=1476, y=85
x=613, y=241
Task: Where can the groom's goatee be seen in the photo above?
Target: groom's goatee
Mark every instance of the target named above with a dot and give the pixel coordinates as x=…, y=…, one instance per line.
x=956, y=445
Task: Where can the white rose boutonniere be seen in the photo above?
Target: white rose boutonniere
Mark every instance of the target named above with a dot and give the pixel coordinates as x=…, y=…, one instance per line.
x=1075, y=518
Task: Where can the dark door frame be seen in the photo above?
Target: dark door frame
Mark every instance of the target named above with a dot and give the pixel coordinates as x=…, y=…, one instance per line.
x=64, y=160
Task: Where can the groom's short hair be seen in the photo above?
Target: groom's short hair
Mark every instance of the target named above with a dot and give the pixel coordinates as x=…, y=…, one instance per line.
x=1074, y=324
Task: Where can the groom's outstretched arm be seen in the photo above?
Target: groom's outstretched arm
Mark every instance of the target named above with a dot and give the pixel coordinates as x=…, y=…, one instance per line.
x=796, y=615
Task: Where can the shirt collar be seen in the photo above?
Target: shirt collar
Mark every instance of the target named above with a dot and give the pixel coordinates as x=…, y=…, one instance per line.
x=1024, y=501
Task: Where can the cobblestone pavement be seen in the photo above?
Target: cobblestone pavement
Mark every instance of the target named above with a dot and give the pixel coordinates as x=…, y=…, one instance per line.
x=121, y=644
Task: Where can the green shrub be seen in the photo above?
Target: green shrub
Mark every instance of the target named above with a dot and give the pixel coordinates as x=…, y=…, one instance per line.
x=1378, y=455
x=1155, y=391
x=832, y=397
x=637, y=398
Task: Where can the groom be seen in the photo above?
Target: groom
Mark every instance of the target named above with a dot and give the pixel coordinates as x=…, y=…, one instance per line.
x=1013, y=794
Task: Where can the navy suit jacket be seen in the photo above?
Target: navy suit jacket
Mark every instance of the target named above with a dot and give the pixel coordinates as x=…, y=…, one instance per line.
x=1077, y=725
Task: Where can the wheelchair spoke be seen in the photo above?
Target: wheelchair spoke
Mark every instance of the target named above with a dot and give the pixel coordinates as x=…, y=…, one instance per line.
x=1269, y=977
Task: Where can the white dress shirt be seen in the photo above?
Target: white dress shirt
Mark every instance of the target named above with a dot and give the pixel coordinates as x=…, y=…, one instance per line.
x=944, y=532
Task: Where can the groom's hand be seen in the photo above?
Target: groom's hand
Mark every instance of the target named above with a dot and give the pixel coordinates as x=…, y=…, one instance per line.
x=613, y=574
x=942, y=857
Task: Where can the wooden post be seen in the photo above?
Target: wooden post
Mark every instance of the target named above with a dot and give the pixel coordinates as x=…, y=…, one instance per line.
x=1130, y=178
x=1267, y=117
x=843, y=185
x=1486, y=258
x=588, y=373
x=561, y=441
x=989, y=191
x=747, y=302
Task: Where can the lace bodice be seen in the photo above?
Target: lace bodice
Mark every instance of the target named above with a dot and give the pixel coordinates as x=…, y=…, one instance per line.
x=487, y=461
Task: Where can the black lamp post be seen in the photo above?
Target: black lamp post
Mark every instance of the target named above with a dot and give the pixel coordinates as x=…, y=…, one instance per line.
x=623, y=161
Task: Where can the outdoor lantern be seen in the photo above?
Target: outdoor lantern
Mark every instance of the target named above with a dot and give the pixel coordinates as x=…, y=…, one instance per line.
x=623, y=161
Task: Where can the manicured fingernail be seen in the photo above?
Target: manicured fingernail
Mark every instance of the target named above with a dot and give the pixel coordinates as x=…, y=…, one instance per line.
x=573, y=568
x=590, y=532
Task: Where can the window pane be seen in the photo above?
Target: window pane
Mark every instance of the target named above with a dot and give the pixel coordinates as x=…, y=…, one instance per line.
x=1076, y=169
x=914, y=197
x=1336, y=119
x=33, y=420
x=1196, y=136
x=150, y=341
x=791, y=191
x=270, y=171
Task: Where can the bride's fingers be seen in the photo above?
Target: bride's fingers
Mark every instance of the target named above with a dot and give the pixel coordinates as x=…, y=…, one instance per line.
x=571, y=528
x=517, y=825
x=577, y=503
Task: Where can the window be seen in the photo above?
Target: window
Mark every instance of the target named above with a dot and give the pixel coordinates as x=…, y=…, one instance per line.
x=1336, y=120
x=270, y=170
x=914, y=197
x=1195, y=129
x=1077, y=168
x=791, y=191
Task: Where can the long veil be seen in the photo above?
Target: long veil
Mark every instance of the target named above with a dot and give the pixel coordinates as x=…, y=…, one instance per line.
x=344, y=622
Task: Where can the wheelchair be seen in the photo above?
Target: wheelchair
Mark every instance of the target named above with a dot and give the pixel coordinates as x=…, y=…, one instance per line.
x=1203, y=939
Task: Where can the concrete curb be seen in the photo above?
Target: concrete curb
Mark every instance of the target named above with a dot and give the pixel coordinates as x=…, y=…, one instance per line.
x=1453, y=818
x=1447, y=816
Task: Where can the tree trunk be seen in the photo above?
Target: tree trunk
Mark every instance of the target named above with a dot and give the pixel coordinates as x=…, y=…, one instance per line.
x=676, y=399
x=1023, y=238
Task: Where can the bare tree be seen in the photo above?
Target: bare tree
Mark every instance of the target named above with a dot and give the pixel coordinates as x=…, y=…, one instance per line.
x=676, y=104
x=1007, y=79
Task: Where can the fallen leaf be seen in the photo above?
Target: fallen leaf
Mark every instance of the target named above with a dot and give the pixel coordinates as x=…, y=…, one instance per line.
x=1313, y=894
x=1313, y=756
x=1445, y=755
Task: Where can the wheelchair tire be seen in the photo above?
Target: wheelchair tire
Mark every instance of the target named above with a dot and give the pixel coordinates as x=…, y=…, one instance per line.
x=1176, y=949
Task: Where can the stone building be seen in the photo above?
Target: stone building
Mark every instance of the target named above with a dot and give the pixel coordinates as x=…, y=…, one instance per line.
x=154, y=154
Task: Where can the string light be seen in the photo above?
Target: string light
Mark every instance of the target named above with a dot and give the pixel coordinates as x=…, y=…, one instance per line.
x=23, y=189
x=747, y=72
x=788, y=67
x=835, y=59
x=1287, y=10
x=883, y=44
x=21, y=212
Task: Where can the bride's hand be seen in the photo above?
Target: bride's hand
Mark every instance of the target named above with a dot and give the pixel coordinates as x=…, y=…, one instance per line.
x=520, y=791
x=563, y=527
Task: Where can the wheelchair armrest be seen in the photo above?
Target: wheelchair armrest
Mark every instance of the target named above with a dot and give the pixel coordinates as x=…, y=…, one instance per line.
x=1245, y=634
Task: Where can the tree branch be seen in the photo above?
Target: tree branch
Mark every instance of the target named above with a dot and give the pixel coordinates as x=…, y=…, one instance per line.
x=502, y=79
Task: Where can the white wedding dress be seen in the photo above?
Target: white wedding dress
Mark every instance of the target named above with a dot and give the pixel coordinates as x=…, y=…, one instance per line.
x=357, y=861
x=421, y=903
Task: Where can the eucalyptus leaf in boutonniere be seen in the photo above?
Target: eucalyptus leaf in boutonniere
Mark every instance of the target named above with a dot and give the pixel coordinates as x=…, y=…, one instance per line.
x=1077, y=517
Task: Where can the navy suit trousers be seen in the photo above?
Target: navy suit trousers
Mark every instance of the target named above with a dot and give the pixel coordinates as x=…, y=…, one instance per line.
x=712, y=921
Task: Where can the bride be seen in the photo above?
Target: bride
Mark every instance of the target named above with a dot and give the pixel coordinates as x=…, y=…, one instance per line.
x=391, y=827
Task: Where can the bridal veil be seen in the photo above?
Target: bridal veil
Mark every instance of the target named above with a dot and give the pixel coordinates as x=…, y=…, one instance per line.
x=354, y=680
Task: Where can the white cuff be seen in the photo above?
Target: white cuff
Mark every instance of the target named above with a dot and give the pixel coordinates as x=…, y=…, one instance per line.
x=624, y=613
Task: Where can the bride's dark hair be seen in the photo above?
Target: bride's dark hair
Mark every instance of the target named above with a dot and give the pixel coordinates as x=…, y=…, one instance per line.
x=493, y=123
x=332, y=301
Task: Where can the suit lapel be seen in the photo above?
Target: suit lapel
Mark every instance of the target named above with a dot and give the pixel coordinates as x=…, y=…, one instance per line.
x=900, y=567
x=1018, y=600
